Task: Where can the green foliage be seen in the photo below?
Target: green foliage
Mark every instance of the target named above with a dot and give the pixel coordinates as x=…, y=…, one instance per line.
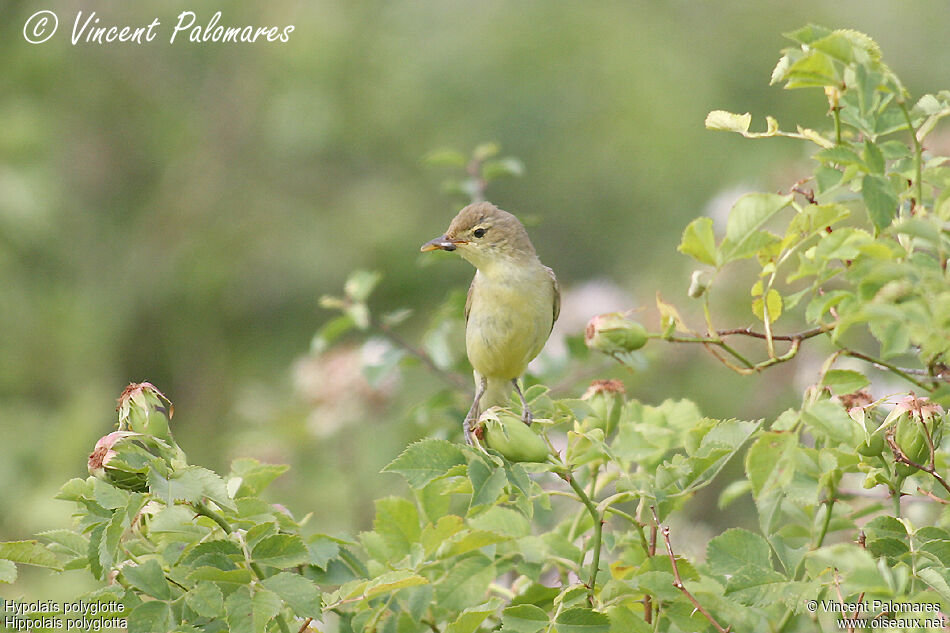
x=564, y=530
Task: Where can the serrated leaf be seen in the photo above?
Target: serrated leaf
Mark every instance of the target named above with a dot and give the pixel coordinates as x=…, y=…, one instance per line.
x=880, y=200
x=70, y=542
x=191, y=484
x=300, y=594
x=743, y=229
x=148, y=578
x=757, y=586
x=250, y=614
x=488, y=482
x=426, y=460
x=699, y=242
x=254, y=475
x=206, y=600
x=582, y=620
x=29, y=553
x=7, y=571
x=465, y=584
x=504, y=521
x=151, y=617
x=393, y=581
x=830, y=419
x=471, y=618
x=736, y=548
x=281, y=550
x=523, y=618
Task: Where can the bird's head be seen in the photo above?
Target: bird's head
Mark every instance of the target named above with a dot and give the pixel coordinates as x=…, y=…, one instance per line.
x=483, y=234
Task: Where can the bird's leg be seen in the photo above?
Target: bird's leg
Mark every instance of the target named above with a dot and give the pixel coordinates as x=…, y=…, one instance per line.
x=526, y=416
x=468, y=426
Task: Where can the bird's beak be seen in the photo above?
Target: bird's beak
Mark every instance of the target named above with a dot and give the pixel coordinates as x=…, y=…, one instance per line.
x=441, y=243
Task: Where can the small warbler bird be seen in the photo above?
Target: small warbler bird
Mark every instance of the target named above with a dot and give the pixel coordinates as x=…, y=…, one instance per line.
x=512, y=303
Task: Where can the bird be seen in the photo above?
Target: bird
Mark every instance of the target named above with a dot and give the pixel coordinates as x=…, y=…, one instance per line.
x=511, y=307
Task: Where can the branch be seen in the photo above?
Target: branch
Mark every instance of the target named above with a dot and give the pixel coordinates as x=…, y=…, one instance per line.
x=887, y=366
x=678, y=581
x=454, y=379
x=800, y=336
x=598, y=532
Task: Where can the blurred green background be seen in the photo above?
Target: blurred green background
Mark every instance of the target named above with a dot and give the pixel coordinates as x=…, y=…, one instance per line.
x=173, y=212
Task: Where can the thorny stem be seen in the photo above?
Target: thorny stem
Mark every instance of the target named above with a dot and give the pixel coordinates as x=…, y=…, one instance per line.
x=837, y=580
x=678, y=581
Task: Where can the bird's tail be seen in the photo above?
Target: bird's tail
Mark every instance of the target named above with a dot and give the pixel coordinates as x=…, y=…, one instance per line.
x=496, y=394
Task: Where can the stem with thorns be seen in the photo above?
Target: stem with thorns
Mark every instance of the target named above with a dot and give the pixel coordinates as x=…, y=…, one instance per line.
x=678, y=581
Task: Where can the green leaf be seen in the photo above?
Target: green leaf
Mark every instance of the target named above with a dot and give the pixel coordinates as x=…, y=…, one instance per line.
x=66, y=542
x=749, y=214
x=191, y=484
x=281, y=550
x=830, y=419
x=488, y=482
x=503, y=521
x=7, y=571
x=151, y=617
x=699, y=242
x=728, y=122
x=360, y=284
x=254, y=476
x=471, y=618
x=736, y=548
x=844, y=381
x=465, y=584
x=758, y=586
x=29, y=553
x=523, y=618
x=426, y=460
x=393, y=581
x=300, y=593
x=397, y=522
x=206, y=600
x=582, y=620
x=109, y=496
x=880, y=199
x=230, y=576
x=773, y=302
x=149, y=579
x=250, y=614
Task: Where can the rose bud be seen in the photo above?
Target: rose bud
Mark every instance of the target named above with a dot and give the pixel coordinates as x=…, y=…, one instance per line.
x=120, y=461
x=505, y=432
x=605, y=399
x=144, y=409
x=613, y=333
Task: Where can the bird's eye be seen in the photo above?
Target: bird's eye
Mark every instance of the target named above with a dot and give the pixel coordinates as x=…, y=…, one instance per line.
x=479, y=232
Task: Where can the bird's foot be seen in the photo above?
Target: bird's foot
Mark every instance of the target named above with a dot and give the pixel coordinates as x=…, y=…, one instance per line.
x=526, y=416
x=468, y=430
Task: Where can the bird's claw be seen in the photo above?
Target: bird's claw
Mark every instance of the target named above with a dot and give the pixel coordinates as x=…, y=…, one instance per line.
x=527, y=417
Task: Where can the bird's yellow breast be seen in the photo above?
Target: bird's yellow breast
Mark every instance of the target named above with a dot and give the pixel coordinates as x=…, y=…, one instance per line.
x=509, y=321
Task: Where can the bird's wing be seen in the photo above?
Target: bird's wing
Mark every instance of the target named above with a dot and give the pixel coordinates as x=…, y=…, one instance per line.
x=557, y=297
x=468, y=299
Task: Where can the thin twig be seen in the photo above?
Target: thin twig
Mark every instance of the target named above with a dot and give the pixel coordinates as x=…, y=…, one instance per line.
x=456, y=380
x=306, y=625
x=885, y=365
x=678, y=581
x=801, y=336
